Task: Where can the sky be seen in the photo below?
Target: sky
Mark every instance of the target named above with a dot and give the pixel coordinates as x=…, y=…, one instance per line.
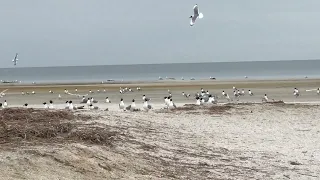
x=100, y=32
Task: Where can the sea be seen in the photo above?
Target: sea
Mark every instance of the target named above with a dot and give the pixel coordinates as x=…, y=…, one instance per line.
x=152, y=72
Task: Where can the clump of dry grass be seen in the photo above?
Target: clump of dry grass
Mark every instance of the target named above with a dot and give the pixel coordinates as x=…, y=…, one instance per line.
x=187, y=107
x=95, y=135
x=276, y=102
x=218, y=109
x=35, y=125
x=214, y=109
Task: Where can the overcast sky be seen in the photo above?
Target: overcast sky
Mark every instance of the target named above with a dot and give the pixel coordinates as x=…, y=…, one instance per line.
x=101, y=32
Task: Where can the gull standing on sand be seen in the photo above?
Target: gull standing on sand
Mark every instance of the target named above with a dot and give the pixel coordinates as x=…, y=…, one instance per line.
x=93, y=107
x=202, y=101
x=67, y=105
x=211, y=99
x=198, y=101
x=242, y=92
x=145, y=98
x=59, y=96
x=171, y=104
x=51, y=104
x=132, y=106
x=235, y=94
x=70, y=105
x=318, y=91
x=239, y=93
x=265, y=98
x=93, y=101
x=45, y=105
x=146, y=106
x=296, y=92
x=250, y=93
x=166, y=102
x=5, y=104
x=107, y=100
x=196, y=15
x=226, y=95
x=223, y=93
x=121, y=104
x=89, y=102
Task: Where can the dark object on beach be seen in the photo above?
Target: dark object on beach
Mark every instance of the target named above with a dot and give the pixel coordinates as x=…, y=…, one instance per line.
x=276, y=102
x=8, y=81
x=294, y=163
x=212, y=78
x=171, y=78
x=26, y=104
x=0, y=105
x=80, y=107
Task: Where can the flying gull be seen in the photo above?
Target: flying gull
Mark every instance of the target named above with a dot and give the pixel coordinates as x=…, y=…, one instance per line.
x=15, y=60
x=196, y=14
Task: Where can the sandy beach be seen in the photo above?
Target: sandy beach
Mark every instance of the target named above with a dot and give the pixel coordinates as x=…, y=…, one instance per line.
x=243, y=139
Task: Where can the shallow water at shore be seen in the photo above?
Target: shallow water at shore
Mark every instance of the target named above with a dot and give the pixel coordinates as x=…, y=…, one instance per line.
x=147, y=72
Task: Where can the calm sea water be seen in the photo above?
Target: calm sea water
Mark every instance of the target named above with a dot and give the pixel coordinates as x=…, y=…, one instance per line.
x=219, y=70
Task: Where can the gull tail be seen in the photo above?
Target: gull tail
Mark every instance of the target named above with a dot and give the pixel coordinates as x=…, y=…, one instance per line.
x=200, y=15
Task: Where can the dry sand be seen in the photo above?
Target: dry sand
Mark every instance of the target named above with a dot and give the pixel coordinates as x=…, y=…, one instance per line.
x=238, y=141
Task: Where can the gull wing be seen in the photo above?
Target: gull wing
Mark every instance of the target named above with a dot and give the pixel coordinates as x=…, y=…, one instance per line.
x=196, y=10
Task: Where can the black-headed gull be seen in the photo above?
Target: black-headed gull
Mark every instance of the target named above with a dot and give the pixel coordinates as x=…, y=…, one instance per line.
x=196, y=14
x=121, y=104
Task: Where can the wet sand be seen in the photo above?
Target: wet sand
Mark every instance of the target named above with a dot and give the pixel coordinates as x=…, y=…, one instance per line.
x=238, y=141
x=275, y=89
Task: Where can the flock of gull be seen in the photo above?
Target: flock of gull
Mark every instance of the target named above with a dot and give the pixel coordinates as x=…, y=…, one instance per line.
x=204, y=97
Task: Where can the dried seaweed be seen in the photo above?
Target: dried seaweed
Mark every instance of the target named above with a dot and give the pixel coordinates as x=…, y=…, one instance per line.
x=35, y=125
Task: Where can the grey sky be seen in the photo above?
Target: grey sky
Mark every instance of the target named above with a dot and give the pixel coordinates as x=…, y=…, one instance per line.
x=83, y=32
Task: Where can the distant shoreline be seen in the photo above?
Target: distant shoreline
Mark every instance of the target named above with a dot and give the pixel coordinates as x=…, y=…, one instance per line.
x=74, y=66
x=212, y=84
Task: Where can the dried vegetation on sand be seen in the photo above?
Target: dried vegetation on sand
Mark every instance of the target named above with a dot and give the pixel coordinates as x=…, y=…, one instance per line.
x=27, y=125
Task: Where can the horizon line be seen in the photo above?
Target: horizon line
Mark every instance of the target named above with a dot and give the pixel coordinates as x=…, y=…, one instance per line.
x=162, y=63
